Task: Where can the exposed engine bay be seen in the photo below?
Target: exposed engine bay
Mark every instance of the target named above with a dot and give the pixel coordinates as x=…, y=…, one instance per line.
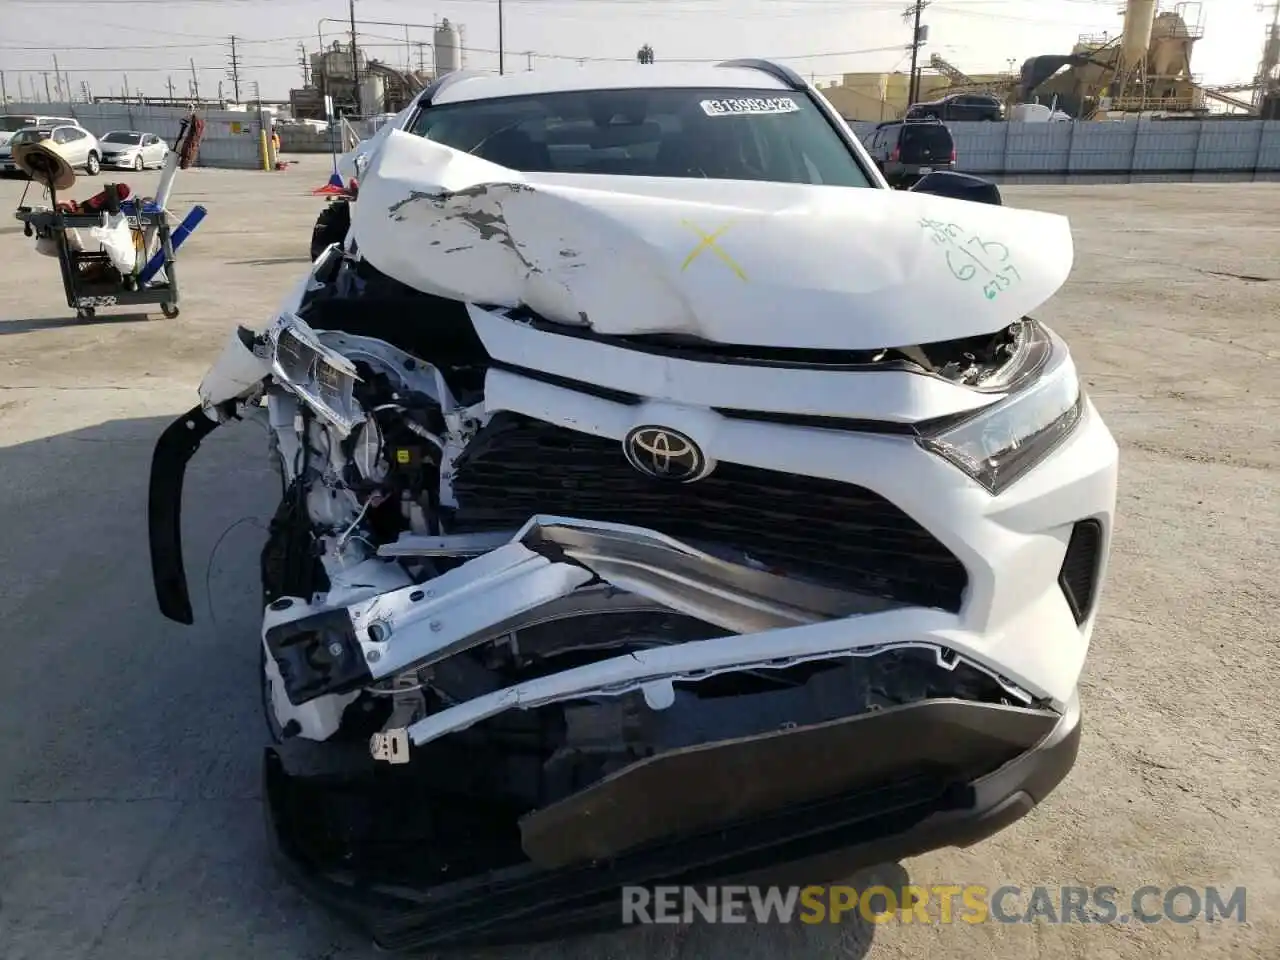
x=434, y=564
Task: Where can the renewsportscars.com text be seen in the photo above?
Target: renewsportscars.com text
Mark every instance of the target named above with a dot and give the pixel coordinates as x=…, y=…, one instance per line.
x=944, y=903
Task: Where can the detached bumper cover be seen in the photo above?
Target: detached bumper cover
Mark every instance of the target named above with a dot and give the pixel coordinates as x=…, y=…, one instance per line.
x=833, y=798
x=173, y=451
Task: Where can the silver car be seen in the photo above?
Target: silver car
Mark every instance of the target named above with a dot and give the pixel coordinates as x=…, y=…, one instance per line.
x=133, y=150
x=74, y=142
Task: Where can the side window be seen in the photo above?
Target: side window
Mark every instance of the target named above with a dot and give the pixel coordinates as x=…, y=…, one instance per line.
x=71, y=133
x=60, y=135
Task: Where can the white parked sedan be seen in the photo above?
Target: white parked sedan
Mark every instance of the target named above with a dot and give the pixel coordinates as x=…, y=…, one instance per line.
x=130, y=149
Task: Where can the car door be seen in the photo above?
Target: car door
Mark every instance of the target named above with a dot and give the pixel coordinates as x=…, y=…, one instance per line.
x=153, y=150
x=69, y=145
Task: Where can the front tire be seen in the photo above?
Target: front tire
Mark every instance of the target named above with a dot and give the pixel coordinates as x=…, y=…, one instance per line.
x=331, y=227
x=93, y=166
x=138, y=164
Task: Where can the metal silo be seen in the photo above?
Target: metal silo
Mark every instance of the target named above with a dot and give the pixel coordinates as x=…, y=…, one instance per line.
x=1139, y=17
x=448, y=47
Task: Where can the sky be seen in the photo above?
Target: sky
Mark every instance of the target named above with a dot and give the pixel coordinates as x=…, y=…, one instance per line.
x=148, y=43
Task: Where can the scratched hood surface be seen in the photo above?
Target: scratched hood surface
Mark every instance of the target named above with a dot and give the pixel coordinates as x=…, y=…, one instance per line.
x=787, y=265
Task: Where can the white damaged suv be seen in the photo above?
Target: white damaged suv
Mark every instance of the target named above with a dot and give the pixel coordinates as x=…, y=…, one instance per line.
x=663, y=499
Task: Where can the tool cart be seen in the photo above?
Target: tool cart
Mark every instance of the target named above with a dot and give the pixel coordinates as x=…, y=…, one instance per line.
x=89, y=278
x=115, y=249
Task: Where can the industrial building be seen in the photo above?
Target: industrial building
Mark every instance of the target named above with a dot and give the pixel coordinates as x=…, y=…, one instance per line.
x=364, y=87
x=1145, y=70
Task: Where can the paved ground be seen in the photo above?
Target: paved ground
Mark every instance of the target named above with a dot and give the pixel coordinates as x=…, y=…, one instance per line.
x=129, y=825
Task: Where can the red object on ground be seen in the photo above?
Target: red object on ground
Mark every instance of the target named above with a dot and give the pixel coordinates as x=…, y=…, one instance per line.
x=329, y=190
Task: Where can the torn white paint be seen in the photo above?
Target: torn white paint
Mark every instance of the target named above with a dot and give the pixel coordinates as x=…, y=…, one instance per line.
x=729, y=261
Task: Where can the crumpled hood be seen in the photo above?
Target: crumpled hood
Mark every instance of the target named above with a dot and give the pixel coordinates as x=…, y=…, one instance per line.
x=738, y=262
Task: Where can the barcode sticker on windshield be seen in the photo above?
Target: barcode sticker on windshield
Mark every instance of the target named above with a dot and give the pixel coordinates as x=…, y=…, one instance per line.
x=739, y=106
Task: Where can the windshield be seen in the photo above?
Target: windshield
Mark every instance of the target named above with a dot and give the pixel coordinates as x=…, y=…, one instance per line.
x=724, y=134
x=12, y=124
x=30, y=136
x=117, y=136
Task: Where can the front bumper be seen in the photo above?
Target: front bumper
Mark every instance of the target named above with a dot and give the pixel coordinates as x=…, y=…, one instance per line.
x=862, y=791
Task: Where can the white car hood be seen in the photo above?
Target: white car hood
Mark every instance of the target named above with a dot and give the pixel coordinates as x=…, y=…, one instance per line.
x=740, y=262
x=350, y=163
x=5, y=137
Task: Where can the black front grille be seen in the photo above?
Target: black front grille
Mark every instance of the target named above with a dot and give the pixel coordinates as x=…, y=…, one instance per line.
x=832, y=532
x=1079, y=575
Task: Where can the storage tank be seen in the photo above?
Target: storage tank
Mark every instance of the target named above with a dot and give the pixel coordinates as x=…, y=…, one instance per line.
x=1171, y=41
x=373, y=90
x=448, y=47
x=1139, y=15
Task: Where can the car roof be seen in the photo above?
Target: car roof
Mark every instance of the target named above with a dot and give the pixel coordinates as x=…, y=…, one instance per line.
x=621, y=76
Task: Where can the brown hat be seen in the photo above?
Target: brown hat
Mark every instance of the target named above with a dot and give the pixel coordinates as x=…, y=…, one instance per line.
x=45, y=165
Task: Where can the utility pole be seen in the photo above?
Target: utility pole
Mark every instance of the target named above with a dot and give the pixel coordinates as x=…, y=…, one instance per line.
x=234, y=74
x=355, y=62
x=305, y=63
x=500, y=56
x=4, y=94
x=422, y=57
x=529, y=62
x=48, y=97
x=57, y=79
x=195, y=80
x=170, y=88
x=913, y=14
x=126, y=86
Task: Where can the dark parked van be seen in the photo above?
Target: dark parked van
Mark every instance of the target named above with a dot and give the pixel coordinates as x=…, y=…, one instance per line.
x=906, y=150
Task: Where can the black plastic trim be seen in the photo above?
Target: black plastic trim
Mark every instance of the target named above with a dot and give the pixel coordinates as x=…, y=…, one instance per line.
x=812, y=421
x=567, y=383
x=173, y=451
x=1080, y=587
x=318, y=655
x=810, y=843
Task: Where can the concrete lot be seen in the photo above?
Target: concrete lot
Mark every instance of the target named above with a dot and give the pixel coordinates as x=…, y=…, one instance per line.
x=129, y=819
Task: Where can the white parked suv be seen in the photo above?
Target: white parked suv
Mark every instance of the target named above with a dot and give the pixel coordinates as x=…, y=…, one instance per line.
x=661, y=496
x=78, y=145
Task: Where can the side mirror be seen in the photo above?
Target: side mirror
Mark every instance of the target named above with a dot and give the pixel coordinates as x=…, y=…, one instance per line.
x=959, y=186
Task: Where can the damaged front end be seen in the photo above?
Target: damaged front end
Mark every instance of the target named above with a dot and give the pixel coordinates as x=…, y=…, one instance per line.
x=523, y=643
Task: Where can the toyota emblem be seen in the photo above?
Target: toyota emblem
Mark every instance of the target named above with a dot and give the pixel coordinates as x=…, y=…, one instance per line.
x=665, y=454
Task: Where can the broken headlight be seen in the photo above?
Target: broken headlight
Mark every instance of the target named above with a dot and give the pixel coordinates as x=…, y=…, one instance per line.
x=1002, y=442
x=320, y=376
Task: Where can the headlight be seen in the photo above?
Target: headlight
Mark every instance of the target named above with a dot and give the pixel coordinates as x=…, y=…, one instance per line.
x=1002, y=442
x=320, y=376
